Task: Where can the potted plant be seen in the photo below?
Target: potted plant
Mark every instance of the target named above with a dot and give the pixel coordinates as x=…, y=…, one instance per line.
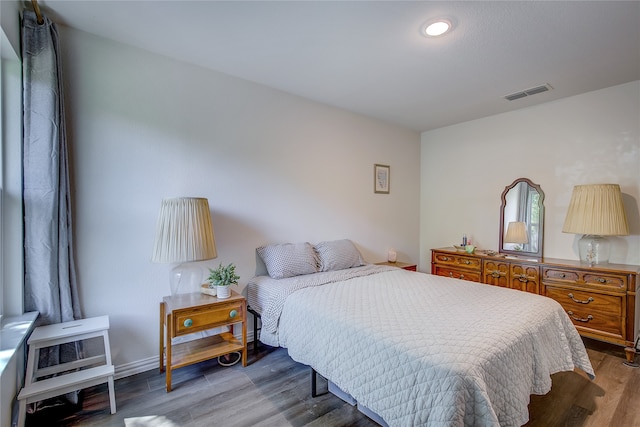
x=221, y=278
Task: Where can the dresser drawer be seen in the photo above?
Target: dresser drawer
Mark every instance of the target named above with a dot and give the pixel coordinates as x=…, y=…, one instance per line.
x=575, y=299
x=198, y=319
x=559, y=275
x=590, y=310
x=609, y=280
x=472, y=276
x=458, y=261
x=603, y=280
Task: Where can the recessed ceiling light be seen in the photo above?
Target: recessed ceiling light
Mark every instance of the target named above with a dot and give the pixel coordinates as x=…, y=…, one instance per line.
x=437, y=28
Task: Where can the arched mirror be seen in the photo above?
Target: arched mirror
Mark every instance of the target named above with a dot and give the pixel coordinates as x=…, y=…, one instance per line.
x=522, y=219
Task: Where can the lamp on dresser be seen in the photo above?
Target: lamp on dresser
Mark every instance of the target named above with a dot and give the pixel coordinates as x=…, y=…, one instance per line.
x=184, y=235
x=596, y=210
x=517, y=234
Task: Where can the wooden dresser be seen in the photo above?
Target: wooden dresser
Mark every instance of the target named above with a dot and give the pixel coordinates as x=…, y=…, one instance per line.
x=600, y=300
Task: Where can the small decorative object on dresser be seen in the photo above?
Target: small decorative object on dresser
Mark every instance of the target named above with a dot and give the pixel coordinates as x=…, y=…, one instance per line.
x=600, y=300
x=221, y=278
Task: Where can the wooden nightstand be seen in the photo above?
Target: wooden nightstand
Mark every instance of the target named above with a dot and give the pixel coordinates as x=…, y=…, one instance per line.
x=184, y=314
x=403, y=265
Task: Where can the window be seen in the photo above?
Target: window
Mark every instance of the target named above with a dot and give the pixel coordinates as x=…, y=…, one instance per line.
x=11, y=247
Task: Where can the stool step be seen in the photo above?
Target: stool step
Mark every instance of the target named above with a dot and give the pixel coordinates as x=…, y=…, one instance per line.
x=66, y=383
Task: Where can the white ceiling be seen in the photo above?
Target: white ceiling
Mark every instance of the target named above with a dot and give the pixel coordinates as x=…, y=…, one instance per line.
x=369, y=56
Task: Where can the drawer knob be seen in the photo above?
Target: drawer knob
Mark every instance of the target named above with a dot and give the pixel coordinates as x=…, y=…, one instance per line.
x=233, y=313
x=450, y=274
x=462, y=276
x=580, y=301
x=466, y=261
x=602, y=280
x=579, y=319
x=444, y=258
x=563, y=275
x=495, y=273
x=188, y=323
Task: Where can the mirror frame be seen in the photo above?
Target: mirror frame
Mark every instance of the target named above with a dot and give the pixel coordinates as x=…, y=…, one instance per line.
x=538, y=253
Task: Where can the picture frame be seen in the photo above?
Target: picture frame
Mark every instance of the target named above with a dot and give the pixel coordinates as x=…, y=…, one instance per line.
x=381, y=179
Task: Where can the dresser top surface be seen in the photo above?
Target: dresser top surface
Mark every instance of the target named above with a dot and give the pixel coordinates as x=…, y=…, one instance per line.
x=625, y=268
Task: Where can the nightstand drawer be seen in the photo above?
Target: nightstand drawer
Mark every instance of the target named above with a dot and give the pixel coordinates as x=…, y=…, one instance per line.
x=198, y=319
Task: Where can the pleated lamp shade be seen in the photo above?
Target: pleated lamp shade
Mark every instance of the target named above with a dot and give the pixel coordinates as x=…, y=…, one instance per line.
x=184, y=232
x=596, y=209
x=516, y=233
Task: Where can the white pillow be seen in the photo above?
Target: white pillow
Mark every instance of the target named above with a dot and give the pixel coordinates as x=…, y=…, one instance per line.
x=338, y=255
x=289, y=259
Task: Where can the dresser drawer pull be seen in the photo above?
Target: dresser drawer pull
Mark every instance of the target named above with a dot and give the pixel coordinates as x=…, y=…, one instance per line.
x=446, y=258
x=233, y=313
x=187, y=323
x=467, y=262
x=590, y=299
x=578, y=319
x=562, y=275
x=496, y=274
x=462, y=276
x=601, y=280
x=522, y=277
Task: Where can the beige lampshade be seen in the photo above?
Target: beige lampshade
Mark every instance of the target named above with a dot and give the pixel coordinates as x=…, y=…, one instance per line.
x=516, y=233
x=596, y=209
x=184, y=232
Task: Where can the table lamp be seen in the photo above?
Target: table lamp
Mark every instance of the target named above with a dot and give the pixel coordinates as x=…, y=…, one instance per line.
x=596, y=210
x=184, y=234
x=517, y=233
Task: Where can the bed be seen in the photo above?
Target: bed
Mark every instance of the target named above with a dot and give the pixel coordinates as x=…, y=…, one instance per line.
x=411, y=348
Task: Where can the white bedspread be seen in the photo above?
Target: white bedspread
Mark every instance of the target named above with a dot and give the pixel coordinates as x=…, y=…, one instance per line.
x=419, y=349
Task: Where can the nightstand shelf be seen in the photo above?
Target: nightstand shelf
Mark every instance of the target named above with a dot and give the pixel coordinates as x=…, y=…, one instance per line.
x=191, y=352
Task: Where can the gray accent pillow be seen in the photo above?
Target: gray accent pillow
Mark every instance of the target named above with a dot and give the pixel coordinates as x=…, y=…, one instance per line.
x=289, y=259
x=338, y=255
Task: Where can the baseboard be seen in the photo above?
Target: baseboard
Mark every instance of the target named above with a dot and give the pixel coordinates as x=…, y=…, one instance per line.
x=148, y=364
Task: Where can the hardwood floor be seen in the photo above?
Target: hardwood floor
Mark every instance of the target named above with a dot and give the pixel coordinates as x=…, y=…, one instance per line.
x=273, y=390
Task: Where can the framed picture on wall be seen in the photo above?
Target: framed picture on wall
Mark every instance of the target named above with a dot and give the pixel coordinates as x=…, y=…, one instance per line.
x=381, y=176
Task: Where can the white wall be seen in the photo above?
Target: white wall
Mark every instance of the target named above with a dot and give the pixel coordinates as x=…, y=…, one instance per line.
x=585, y=139
x=274, y=167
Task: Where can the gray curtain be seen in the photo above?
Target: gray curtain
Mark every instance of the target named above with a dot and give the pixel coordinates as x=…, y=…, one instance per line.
x=49, y=277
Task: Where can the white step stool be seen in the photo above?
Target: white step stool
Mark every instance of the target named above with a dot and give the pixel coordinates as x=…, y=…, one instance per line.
x=61, y=333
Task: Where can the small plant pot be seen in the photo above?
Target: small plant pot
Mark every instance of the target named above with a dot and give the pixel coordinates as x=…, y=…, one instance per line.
x=223, y=292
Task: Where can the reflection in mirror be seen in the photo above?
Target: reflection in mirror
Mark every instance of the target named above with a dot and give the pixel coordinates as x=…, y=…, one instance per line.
x=522, y=219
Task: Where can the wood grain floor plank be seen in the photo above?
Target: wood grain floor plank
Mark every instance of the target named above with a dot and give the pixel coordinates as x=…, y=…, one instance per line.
x=275, y=391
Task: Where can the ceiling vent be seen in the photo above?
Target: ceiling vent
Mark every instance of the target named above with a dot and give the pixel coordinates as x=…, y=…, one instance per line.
x=528, y=92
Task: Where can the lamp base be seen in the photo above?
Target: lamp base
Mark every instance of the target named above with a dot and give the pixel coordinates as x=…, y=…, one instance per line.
x=594, y=249
x=185, y=278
